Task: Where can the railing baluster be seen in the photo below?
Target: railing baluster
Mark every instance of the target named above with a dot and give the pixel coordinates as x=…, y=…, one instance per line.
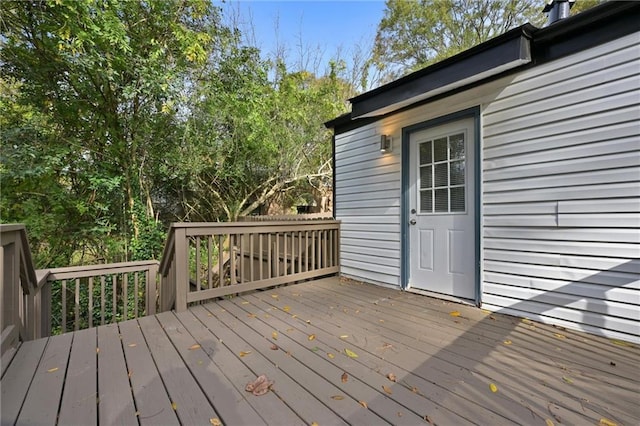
x=114, y=298
x=76, y=325
x=284, y=254
x=209, y=261
x=325, y=240
x=198, y=266
x=135, y=294
x=251, y=259
x=299, y=251
x=241, y=249
x=269, y=256
x=221, y=261
x=260, y=255
x=90, y=302
x=125, y=296
x=314, y=240
x=232, y=258
x=306, y=251
x=103, y=304
x=63, y=323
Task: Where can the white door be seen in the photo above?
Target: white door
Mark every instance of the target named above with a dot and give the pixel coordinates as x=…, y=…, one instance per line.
x=442, y=211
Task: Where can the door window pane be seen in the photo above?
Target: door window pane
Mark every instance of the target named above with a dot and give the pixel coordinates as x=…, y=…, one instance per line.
x=425, y=153
x=442, y=175
x=440, y=149
x=426, y=203
x=456, y=146
x=457, y=172
x=442, y=200
x=457, y=199
x=426, y=180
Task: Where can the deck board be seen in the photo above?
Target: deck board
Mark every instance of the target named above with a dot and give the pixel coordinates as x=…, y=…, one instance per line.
x=192, y=367
x=81, y=388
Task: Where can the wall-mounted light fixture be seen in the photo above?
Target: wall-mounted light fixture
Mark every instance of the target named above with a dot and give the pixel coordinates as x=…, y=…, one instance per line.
x=385, y=143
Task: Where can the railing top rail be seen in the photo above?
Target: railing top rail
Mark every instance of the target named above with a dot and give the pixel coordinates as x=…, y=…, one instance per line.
x=275, y=223
x=9, y=227
x=28, y=267
x=100, y=269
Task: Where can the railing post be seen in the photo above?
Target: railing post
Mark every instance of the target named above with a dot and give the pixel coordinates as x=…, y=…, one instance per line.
x=44, y=306
x=182, y=269
x=151, y=291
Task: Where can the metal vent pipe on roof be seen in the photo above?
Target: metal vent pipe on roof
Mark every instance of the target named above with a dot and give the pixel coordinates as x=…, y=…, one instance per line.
x=557, y=10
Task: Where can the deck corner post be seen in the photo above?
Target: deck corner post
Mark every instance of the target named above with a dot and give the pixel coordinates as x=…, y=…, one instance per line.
x=182, y=269
x=151, y=290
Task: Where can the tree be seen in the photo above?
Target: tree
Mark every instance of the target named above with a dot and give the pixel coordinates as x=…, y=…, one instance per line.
x=414, y=34
x=106, y=77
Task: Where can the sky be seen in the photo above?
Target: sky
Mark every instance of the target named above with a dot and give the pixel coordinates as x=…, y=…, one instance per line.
x=318, y=26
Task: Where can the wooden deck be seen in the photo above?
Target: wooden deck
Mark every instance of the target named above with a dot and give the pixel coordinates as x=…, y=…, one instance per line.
x=330, y=346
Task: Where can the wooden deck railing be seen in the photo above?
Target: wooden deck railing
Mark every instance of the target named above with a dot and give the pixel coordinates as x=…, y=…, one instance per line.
x=23, y=294
x=102, y=294
x=209, y=260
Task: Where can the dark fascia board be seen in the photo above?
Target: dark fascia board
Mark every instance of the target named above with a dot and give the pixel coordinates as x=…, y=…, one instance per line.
x=509, y=50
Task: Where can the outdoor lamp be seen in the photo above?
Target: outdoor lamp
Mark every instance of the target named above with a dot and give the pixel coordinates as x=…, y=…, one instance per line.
x=385, y=143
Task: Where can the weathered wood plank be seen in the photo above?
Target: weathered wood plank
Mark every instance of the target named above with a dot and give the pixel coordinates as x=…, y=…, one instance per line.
x=271, y=408
x=292, y=393
x=42, y=402
x=191, y=406
x=15, y=383
x=80, y=397
x=152, y=403
x=115, y=402
x=348, y=409
x=226, y=399
x=315, y=356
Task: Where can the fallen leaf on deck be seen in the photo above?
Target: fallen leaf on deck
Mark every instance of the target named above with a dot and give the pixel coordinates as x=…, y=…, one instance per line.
x=428, y=420
x=567, y=379
x=549, y=422
x=399, y=414
x=622, y=343
x=51, y=370
x=344, y=336
x=560, y=336
x=260, y=386
x=364, y=404
x=491, y=317
x=507, y=342
x=132, y=345
x=381, y=320
x=454, y=313
x=294, y=316
x=387, y=389
x=174, y=406
x=330, y=355
x=267, y=316
x=274, y=347
x=97, y=350
x=275, y=296
x=251, y=315
x=415, y=390
x=392, y=377
x=311, y=337
x=215, y=422
x=611, y=363
x=194, y=347
x=485, y=311
x=344, y=377
x=289, y=330
x=244, y=353
x=607, y=422
x=493, y=387
x=129, y=373
x=337, y=397
x=526, y=321
x=387, y=346
x=245, y=303
x=350, y=354
x=286, y=309
x=315, y=424
x=308, y=321
x=315, y=349
x=274, y=335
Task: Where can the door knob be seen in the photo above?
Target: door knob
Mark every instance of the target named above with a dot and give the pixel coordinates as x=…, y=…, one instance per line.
x=412, y=221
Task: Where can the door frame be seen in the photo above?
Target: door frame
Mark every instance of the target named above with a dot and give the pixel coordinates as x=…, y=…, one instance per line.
x=474, y=113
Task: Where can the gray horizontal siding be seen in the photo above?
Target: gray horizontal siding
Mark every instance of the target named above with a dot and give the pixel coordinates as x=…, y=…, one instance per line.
x=561, y=201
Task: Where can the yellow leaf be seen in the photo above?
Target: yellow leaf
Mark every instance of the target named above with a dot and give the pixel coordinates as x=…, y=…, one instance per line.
x=314, y=424
x=567, y=379
x=308, y=321
x=364, y=404
x=344, y=377
x=312, y=337
x=622, y=343
x=330, y=355
x=526, y=321
x=560, y=336
x=485, y=311
x=274, y=335
x=51, y=370
x=607, y=422
x=344, y=336
x=294, y=316
x=493, y=387
x=387, y=389
x=243, y=353
x=245, y=303
x=174, y=406
x=549, y=422
x=350, y=354
x=454, y=313
x=132, y=345
x=251, y=315
x=275, y=296
x=337, y=397
x=194, y=347
x=215, y=422
x=507, y=342
x=286, y=309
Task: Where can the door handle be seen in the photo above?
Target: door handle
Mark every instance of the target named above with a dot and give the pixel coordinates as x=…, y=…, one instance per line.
x=412, y=222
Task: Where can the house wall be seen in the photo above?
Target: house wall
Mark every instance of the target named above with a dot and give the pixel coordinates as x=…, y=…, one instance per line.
x=561, y=191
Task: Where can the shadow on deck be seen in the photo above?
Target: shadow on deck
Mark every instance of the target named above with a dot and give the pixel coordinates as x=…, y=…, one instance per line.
x=339, y=352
